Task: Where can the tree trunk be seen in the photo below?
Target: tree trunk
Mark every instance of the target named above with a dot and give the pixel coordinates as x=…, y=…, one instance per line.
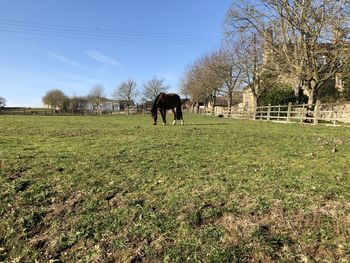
x=297, y=93
x=195, y=107
x=312, y=94
x=213, y=108
x=254, y=102
x=230, y=103
x=311, y=100
x=253, y=106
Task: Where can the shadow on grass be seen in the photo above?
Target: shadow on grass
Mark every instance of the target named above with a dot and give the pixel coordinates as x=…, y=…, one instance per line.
x=205, y=124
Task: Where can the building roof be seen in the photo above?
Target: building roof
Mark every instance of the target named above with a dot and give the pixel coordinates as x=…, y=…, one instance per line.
x=222, y=101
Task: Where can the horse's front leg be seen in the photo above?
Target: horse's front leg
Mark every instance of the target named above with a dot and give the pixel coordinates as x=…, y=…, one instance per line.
x=174, y=122
x=163, y=112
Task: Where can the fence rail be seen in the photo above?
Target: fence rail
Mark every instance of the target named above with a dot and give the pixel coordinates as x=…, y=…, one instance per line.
x=49, y=112
x=332, y=113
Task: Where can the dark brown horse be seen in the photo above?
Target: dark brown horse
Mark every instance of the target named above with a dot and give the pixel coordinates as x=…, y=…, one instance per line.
x=165, y=102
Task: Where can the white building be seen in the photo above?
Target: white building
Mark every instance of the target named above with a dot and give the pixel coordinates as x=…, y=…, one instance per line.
x=107, y=105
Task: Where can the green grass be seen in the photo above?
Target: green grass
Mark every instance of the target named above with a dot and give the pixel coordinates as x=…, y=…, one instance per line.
x=118, y=189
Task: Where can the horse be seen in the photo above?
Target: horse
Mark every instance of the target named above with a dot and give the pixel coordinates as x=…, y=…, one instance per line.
x=164, y=102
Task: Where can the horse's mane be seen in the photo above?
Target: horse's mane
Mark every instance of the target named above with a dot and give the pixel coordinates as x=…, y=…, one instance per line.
x=154, y=104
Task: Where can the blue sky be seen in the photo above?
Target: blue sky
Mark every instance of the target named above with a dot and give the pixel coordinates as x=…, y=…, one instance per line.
x=73, y=45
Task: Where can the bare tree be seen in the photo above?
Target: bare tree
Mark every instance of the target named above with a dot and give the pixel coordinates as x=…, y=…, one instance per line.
x=55, y=99
x=250, y=61
x=218, y=72
x=200, y=83
x=153, y=87
x=77, y=103
x=96, y=97
x=223, y=63
x=2, y=102
x=127, y=92
x=304, y=40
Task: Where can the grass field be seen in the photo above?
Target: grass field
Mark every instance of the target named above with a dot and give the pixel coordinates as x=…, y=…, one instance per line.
x=117, y=189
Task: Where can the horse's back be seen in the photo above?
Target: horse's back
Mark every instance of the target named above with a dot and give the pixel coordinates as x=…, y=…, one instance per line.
x=172, y=96
x=172, y=100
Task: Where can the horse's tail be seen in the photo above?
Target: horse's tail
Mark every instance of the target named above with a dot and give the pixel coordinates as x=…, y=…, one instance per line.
x=179, y=112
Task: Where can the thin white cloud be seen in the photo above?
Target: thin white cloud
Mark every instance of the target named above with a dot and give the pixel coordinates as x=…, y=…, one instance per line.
x=98, y=56
x=64, y=59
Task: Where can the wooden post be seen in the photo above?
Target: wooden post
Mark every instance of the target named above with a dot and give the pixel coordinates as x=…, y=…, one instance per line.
x=268, y=111
x=289, y=111
x=279, y=112
x=334, y=113
x=302, y=114
x=316, y=111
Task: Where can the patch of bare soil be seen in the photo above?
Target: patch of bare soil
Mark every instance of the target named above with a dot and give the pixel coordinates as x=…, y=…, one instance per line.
x=44, y=236
x=321, y=232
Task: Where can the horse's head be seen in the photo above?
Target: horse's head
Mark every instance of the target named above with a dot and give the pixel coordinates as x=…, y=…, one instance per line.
x=155, y=106
x=154, y=116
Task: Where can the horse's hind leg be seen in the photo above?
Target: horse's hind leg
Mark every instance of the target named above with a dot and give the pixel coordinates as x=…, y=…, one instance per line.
x=174, y=122
x=179, y=115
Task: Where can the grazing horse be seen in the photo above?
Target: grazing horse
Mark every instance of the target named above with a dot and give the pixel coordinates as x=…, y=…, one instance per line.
x=165, y=102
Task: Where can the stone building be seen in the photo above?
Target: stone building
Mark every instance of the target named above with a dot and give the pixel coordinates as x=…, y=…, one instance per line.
x=271, y=59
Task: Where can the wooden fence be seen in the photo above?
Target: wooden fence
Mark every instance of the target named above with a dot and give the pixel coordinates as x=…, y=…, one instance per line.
x=49, y=112
x=331, y=113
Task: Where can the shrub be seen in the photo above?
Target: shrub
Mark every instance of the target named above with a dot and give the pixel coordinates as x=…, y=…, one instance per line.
x=328, y=93
x=346, y=88
x=276, y=94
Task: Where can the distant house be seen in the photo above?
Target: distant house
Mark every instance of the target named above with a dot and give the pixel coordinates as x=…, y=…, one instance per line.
x=323, y=55
x=109, y=105
x=123, y=104
x=222, y=102
x=219, y=102
x=146, y=105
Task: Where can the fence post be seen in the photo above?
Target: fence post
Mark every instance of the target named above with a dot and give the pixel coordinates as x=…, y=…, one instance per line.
x=302, y=114
x=268, y=111
x=289, y=111
x=316, y=111
x=334, y=113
